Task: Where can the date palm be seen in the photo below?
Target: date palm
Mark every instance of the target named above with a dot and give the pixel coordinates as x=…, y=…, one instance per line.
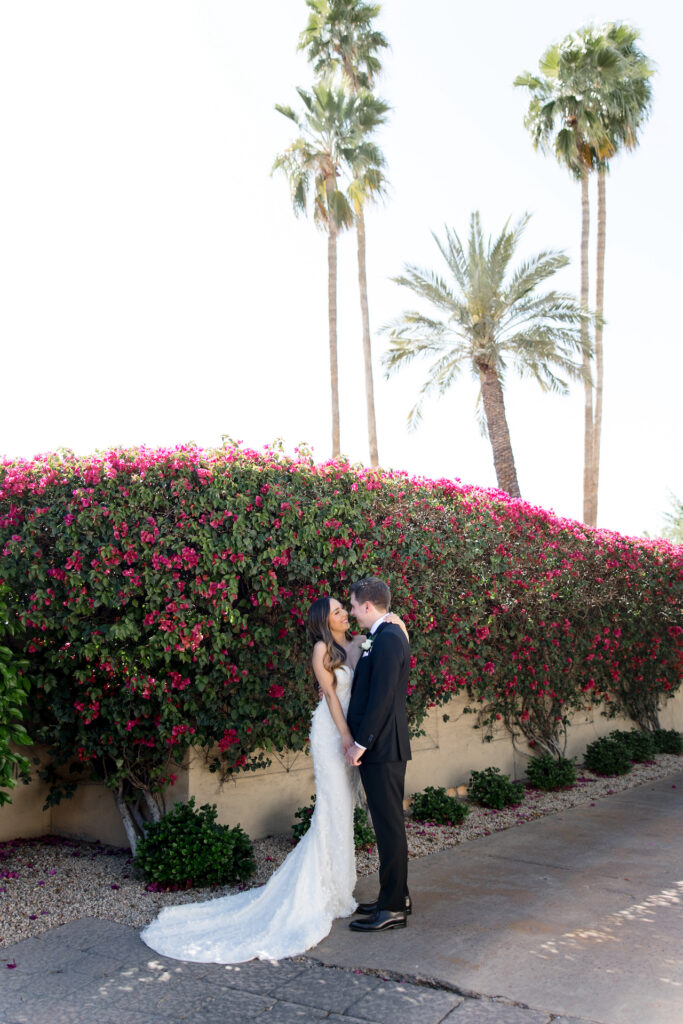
x=334, y=128
x=588, y=102
x=488, y=318
x=340, y=36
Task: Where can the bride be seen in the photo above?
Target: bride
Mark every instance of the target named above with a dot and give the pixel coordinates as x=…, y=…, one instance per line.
x=315, y=883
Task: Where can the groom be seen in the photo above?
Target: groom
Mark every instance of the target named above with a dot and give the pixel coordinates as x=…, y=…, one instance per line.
x=378, y=720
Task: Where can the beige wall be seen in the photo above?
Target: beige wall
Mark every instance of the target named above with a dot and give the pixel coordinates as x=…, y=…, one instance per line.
x=264, y=802
x=25, y=815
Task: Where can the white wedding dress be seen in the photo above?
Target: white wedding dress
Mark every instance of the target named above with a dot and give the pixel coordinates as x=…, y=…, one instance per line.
x=294, y=910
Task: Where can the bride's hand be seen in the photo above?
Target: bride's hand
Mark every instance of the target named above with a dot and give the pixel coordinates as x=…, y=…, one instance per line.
x=396, y=621
x=347, y=741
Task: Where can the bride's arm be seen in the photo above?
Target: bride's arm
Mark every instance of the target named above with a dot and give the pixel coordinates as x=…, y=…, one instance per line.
x=396, y=621
x=326, y=682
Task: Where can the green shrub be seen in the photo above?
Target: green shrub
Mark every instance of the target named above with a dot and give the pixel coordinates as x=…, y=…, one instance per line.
x=492, y=789
x=433, y=804
x=304, y=814
x=607, y=756
x=668, y=741
x=640, y=745
x=187, y=848
x=545, y=772
x=363, y=833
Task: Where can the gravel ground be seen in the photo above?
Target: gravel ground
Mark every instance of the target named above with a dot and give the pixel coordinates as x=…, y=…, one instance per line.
x=48, y=881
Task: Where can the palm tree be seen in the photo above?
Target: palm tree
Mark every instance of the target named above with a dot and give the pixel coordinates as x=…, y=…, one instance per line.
x=626, y=107
x=590, y=98
x=488, y=317
x=340, y=35
x=673, y=530
x=334, y=126
x=367, y=185
x=560, y=117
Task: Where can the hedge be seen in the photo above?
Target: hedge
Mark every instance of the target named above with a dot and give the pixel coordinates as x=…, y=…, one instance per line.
x=161, y=598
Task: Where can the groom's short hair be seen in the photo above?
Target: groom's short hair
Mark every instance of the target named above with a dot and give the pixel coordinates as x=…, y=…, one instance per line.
x=374, y=590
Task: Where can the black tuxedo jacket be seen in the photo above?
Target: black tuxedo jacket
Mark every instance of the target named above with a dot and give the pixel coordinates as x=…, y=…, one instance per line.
x=377, y=714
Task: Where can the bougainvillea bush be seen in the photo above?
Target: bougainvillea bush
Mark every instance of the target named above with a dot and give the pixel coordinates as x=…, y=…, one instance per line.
x=14, y=687
x=161, y=598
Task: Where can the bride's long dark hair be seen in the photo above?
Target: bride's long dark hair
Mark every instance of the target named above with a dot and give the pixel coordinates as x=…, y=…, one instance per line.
x=319, y=629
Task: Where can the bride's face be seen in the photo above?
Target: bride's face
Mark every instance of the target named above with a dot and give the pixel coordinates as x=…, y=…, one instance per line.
x=338, y=620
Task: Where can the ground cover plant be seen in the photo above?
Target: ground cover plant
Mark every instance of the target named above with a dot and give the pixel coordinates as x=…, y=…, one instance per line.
x=608, y=756
x=547, y=773
x=491, y=788
x=363, y=832
x=160, y=598
x=641, y=745
x=433, y=804
x=187, y=848
x=668, y=741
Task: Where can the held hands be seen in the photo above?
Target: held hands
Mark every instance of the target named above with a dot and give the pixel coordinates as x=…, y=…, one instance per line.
x=352, y=754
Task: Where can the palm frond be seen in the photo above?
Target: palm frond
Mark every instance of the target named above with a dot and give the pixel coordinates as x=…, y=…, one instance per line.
x=430, y=286
x=488, y=315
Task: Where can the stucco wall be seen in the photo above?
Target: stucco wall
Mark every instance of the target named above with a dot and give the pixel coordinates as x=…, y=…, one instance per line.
x=264, y=802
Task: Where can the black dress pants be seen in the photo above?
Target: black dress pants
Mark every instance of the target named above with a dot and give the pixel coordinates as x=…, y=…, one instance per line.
x=384, y=783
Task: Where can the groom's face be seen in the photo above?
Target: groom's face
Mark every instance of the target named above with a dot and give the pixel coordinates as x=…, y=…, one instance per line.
x=362, y=613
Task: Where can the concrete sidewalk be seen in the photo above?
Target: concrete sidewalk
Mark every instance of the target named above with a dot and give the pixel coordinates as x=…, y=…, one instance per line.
x=574, y=917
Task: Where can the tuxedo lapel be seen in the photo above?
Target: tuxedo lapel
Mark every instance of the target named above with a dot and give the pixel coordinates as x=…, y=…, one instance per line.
x=365, y=659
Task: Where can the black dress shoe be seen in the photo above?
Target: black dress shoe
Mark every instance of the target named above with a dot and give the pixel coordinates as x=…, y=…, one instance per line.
x=380, y=921
x=371, y=908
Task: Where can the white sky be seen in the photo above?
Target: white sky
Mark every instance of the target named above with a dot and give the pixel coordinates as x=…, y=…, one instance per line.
x=157, y=288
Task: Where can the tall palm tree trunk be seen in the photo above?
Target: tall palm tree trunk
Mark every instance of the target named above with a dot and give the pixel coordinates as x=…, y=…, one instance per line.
x=588, y=383
x=599, y=306
x=367, y=352
x=499, y=434
x=332, y=317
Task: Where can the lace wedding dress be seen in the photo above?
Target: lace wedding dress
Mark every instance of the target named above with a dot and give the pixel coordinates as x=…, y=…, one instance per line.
x=294, y=910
